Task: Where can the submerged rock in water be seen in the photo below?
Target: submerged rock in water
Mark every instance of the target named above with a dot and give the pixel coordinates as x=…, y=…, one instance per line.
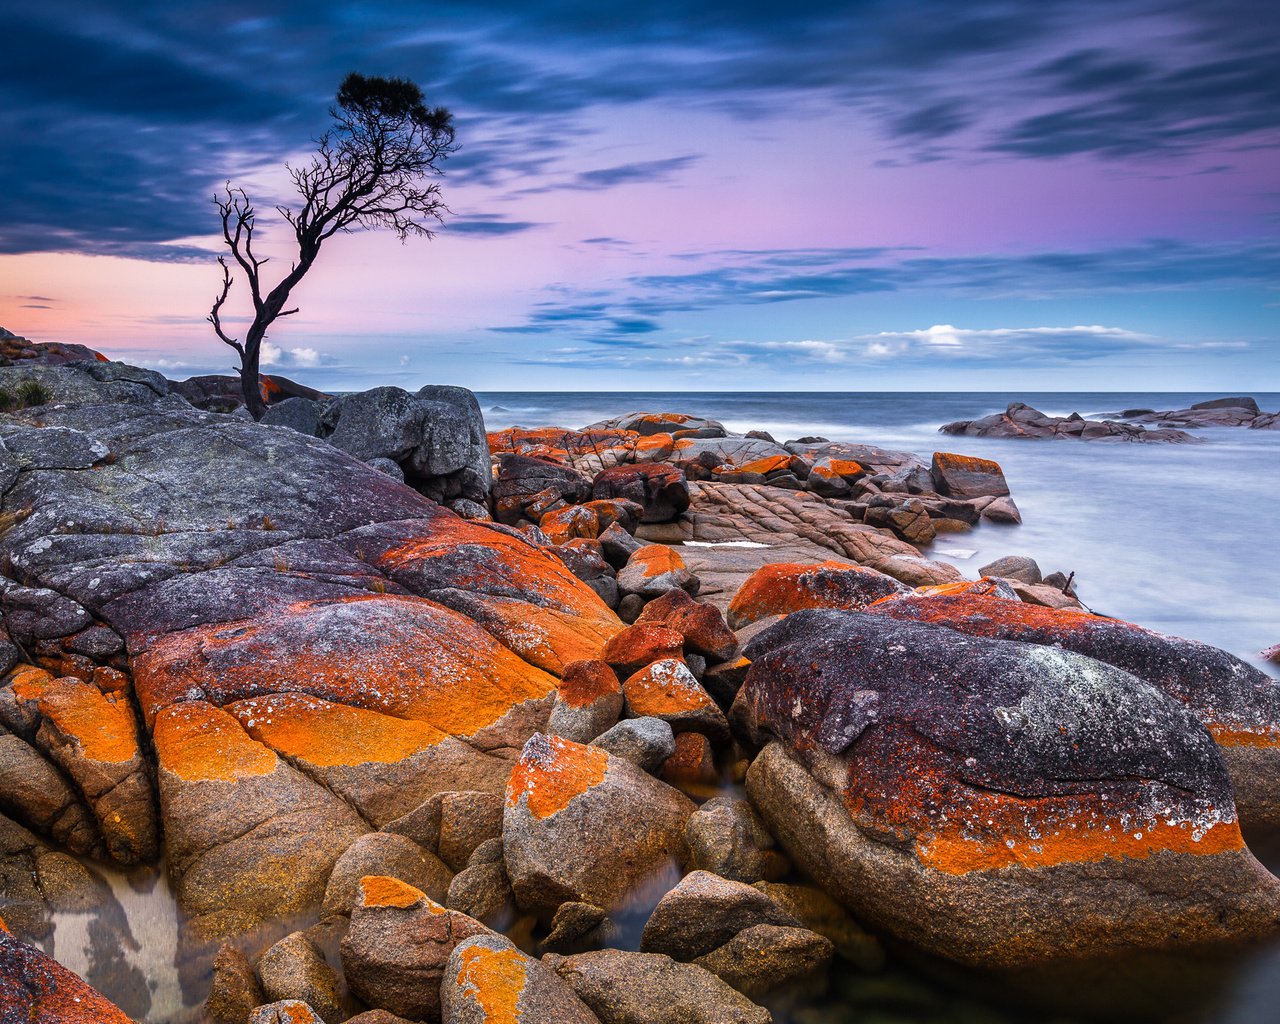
x=1239, y=705
x=993, y=802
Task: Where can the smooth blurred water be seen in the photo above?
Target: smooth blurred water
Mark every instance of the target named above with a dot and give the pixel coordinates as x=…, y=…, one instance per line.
x=1175, y=537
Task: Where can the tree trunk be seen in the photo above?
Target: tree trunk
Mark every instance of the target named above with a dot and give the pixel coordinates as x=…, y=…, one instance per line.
x=250, y=384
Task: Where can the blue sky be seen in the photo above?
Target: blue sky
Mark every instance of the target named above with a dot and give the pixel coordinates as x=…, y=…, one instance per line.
x=717, y=195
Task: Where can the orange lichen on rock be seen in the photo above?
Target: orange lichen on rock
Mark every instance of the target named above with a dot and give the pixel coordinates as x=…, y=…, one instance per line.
x=656, y=559
x=902, y=782
x=641, y=644
x=663, y=688
x=568, y=442
x=654, y=446
x=493, y=979
x=201, y=743
x=400, y=655
x=1078, y=835
x=566, y=524
x=552, y=771
x=544, y=637
x=966, y=476
x=984, y=587
x=328, y=734
x=1228, y=736
x=28, y=682
x=585, y=682
x=783, y=588
x=844, y=468
x=767, y=465
x=103, y=727
x=385, y=891
x=472, y=557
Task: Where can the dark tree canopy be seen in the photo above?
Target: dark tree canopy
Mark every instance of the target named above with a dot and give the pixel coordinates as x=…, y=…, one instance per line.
x=374, y=168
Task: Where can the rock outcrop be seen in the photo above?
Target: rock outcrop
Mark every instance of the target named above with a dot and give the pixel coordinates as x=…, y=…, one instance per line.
x=1239, y=705
x=1022, y=421
x=265, y=603
x=994, y=802
x=1237, y=411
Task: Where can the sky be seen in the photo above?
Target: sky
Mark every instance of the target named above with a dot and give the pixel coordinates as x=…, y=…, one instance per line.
x=674, y=195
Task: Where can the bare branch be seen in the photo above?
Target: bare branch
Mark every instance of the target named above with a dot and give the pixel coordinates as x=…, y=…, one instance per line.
x=214, y=317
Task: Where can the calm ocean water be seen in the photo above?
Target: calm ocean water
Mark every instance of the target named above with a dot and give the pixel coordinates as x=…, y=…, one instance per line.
x=1179, y=538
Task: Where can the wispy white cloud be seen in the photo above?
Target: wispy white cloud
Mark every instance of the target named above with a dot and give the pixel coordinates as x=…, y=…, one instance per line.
x=297, y=358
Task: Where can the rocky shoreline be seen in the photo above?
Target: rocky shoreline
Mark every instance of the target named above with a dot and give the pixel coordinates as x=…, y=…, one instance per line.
x=1022, y=421
x=426, y=722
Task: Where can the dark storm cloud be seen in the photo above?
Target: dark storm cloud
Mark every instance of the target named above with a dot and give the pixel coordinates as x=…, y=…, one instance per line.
x=119, y=127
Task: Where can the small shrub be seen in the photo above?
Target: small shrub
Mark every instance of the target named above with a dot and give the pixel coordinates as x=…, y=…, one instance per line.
x=32, y=392
x=8, y=400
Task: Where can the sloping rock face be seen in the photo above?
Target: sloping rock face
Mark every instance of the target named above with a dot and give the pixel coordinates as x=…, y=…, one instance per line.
x=34, y=987
x=264, y=605
x=993, y=802
x=1238, y=704
x=1022, y=421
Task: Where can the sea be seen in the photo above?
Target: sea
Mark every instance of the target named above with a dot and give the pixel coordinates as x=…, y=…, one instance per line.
x=1179, y=538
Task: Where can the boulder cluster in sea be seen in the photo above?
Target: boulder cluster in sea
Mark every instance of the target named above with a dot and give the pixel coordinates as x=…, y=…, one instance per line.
x=1022, y=421
x=406, y=764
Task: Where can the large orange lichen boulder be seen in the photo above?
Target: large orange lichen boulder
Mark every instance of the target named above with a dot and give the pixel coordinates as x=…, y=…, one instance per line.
x=787, y=587
x=36, y=988
x=1239, y=705
x=262, y=604
x=966, y=476
x=247, y=833
x=994, y=802
x=581, y=825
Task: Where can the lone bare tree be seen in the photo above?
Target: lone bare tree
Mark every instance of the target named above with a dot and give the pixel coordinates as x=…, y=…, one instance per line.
x=372, y=169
